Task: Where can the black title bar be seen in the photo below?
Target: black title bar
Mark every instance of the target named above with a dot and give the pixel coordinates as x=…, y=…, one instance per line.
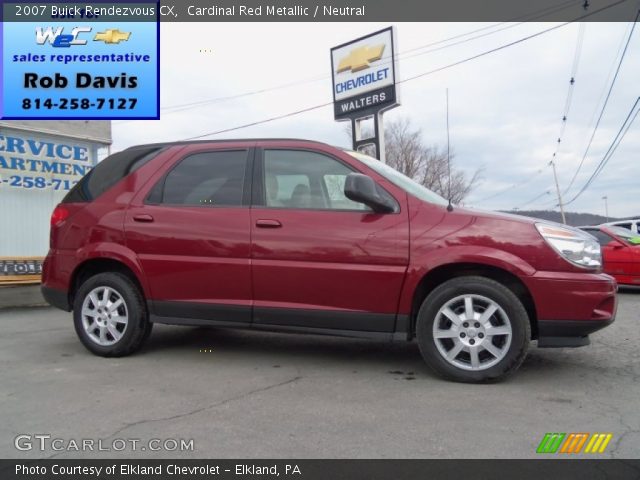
x=334, y=11
x=318, y=469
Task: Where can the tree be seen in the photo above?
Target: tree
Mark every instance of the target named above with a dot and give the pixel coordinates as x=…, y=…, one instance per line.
x=406, y=151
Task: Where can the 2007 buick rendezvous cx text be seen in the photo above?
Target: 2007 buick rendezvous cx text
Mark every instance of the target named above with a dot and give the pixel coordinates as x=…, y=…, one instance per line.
x=295, y=235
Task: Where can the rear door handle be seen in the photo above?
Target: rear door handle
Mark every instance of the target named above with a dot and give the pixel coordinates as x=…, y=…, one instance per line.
x=143, y=217
x=268, y=224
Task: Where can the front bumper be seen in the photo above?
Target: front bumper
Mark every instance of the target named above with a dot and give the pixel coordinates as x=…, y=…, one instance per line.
x=570, y=306
x=568, y=333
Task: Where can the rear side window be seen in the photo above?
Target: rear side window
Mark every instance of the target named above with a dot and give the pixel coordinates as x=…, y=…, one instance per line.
x=204, y=179
x=109, y=172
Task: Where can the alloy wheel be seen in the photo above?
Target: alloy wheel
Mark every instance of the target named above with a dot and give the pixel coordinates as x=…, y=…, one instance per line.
x=104, y=316
x=472, y=332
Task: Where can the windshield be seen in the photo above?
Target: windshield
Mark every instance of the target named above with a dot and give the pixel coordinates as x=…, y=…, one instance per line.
x=398, y=179
x=626, y=235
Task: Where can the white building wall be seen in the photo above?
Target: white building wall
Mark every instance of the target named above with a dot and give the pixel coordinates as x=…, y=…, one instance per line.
x=25, y=212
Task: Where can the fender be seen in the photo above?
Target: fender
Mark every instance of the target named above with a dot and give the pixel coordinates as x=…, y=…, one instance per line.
x=451, y=255
x=112, y=251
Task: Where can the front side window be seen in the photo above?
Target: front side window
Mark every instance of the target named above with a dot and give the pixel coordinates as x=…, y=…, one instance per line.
x=400, y=180
x=303, y=179
x=204, y=179
x=602, y=237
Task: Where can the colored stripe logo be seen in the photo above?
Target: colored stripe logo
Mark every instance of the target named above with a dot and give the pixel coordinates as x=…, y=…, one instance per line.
x=598, y=443
x=574, y=442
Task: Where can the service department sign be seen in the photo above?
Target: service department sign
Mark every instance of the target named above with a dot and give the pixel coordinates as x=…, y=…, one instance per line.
x=364, y=75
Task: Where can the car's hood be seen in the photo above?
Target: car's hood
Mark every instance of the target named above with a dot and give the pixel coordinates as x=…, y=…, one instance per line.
x=479, y=212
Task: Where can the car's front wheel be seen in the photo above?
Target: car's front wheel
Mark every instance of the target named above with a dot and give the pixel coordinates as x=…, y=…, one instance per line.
x=473, y=329
x=109, y=315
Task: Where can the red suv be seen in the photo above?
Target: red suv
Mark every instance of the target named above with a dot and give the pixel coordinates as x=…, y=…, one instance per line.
x=295, y=235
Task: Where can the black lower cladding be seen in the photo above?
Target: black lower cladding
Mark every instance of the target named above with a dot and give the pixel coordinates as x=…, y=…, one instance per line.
x=187, y=313
x=568, y=333
x=56, y=298
x=331, y=319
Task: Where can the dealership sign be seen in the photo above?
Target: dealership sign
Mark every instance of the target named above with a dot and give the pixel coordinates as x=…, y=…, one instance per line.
x=364, y=75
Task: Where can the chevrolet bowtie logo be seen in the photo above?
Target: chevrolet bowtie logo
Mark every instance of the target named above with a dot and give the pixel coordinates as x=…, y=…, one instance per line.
x=113, y=35
x=359, y=58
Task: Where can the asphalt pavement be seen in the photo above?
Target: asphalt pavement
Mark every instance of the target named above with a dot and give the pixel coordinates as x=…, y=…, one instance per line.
x=244, y=394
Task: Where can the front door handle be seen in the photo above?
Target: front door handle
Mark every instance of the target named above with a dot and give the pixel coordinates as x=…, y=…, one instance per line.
x=143, y=217
x=268, y=224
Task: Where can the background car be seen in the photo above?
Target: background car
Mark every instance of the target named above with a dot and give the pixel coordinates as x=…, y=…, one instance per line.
x=620, y=252
x=632, y=224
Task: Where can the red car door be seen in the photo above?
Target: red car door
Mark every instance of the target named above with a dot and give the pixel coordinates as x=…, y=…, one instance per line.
x=320, y=260
x=190, y=230
x=620, y=260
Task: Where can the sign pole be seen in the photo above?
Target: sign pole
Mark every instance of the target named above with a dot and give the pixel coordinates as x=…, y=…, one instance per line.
x=380, y=151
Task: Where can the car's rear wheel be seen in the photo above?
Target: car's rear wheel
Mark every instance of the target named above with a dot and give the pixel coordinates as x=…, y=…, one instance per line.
x=473, y=329
x=110, y=316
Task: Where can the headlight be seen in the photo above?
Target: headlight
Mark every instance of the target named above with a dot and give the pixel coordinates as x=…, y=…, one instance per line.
x=578, y=247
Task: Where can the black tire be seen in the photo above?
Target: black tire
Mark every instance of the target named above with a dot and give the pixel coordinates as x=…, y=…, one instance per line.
x=138, y=327
x=482, y=288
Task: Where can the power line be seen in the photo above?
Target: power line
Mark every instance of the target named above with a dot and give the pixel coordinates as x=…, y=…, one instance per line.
x=626, y=125
x=546, y=192
x=565, y=113
x=572, y=82
x=542, y=13
x=530, y=17
x=567, y=106
x=439, y=69
x=187, y=106
x=515, y=42
x=510, y=187
x=612, y=67
x=259, y=122
x=604, y=106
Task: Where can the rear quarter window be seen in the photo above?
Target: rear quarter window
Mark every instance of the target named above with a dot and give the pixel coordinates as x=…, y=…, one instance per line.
x=109, y=172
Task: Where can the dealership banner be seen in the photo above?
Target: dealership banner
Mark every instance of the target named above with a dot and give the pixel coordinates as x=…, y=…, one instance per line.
x=80, y=61
x=578, y=469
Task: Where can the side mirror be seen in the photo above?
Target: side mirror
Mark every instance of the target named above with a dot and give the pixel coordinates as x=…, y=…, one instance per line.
x=362, y=189
x=616, y=245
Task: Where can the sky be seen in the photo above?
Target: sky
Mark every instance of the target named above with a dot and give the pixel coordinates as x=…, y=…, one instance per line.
x=505, y=108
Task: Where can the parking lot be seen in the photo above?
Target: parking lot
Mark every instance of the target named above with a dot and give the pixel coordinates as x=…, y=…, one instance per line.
x=259, y=395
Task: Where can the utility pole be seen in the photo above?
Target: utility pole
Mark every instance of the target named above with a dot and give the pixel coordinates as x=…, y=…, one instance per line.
x=606, y=207
x=555, y=177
